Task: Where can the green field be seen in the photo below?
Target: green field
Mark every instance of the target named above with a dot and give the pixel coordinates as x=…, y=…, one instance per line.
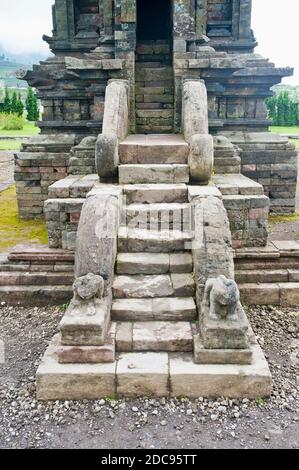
x=29, y=129
x=10, y=144
x=285, y=130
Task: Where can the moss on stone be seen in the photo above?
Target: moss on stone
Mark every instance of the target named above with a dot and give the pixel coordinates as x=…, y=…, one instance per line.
x=13, y=230
x=278, y=219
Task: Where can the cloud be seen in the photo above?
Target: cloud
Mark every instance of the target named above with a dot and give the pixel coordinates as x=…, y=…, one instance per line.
x=22, y=24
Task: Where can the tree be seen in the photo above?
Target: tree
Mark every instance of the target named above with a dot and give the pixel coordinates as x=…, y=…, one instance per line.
x=14, y=103
x=32, y=106
x=6, y=102
x=20, y=106
x=283, y=109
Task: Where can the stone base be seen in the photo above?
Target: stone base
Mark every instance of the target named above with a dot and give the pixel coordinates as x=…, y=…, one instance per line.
x=89, y=354
x=220, y=356
x=151, y=374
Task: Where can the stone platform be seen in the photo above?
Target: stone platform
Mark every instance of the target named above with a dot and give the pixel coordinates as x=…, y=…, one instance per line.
x=151, y=374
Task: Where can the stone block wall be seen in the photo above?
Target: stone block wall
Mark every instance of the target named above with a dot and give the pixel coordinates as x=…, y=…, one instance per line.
x=248, y=218
x=42, y=161
x=270, y=160
x=62, y=218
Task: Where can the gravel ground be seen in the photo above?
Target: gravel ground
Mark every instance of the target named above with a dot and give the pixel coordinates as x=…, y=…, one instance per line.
x=146, y=423
x=6, y=170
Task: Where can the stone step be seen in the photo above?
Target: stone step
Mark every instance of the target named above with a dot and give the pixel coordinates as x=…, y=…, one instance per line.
x=155, y=193
x=39, y=253
x=285, y=294
x=146, y=149
x=154, y=113
x=270, y=275
x=150, y=128
x=153, y=106
x=32, y=296
x=154, y=336
x=152, y=173
x=166, y=241
x=150, y=74
x=144, y=286
x=157, y=309
x=151, y=374
x=154, y=263
x=16, y=278
x=153, y=47
x=157, y=91
x=160, y=216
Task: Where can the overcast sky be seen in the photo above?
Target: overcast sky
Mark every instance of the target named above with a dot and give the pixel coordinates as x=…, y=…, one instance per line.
x=275, y=22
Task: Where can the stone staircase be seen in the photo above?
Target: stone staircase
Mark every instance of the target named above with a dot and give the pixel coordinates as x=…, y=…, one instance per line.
x=154, y=287
x=33, y=275
x=154, y=93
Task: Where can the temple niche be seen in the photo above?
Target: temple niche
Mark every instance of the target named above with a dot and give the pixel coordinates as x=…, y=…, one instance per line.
x=87, y=18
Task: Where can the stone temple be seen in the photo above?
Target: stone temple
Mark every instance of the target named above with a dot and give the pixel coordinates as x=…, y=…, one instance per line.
x=155, y=172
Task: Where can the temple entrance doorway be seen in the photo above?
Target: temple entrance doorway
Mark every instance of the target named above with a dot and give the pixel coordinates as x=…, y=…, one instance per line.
x=154, y=19
x=154, y=74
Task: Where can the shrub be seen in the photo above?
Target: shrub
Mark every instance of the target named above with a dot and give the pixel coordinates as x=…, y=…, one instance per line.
x=11, y=122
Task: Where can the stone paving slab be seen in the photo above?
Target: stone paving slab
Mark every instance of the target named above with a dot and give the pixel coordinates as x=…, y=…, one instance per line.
x=152, y=375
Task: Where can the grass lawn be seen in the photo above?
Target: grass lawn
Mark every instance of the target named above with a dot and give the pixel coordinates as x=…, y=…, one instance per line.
x=285, y=130
x=10, y=144
x=13, y=230
x=296, y=142
x=28, y=130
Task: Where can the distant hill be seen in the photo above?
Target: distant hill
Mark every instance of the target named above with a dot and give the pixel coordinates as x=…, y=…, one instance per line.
x=10, y=63
x=8, y=71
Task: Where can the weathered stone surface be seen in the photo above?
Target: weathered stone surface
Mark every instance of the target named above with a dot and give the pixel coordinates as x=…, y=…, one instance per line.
x=132, y=309
x=155, y=193
x=85, y=323
x=134, y=240
x=116, y=115
x=260, y=294
x=220, y=356
x=142, y=374
x=212, y=246
x=147, y=149
x=208, y=380
x=107, y=157
x=124, y=337
x=89, y=286
x=162, y=336
x=89, y=354
x=195, y=109
x=181, y=262
x=147, y=174
x=156, y=309
x=96, y=244
x=56, y=381
x=142, y=286
x=183, y=284
x=201, y=158
x=143, y=263
x=289, y=294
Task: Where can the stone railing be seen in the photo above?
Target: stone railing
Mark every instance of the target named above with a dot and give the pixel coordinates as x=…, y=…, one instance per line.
x=115, y=128
x=196, y=130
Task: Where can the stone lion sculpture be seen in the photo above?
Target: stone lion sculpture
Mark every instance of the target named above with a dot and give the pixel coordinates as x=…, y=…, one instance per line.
x=89, y=287
x=221, y=298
